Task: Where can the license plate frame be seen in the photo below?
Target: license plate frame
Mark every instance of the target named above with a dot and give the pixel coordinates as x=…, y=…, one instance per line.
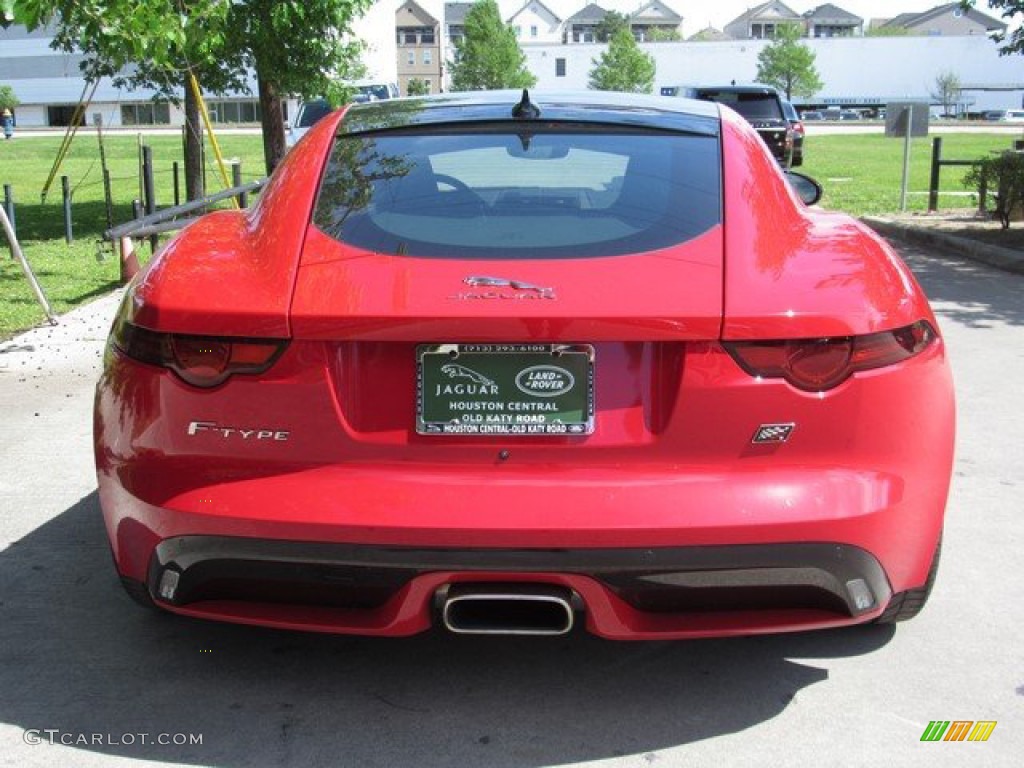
x=505, y=390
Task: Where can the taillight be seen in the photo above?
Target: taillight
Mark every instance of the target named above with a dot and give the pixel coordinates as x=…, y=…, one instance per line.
x=202, y=361
x=814, y=365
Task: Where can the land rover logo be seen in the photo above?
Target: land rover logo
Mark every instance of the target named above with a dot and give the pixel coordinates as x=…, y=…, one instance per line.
x=545, y=380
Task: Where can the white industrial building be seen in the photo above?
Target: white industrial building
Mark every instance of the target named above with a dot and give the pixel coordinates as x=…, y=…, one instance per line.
x=856, y=70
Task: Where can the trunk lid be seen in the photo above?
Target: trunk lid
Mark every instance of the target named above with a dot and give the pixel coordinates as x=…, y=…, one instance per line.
x=344, y=293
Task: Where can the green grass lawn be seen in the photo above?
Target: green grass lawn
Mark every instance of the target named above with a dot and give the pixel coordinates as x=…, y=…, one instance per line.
x=861, y=175
x=72, y=274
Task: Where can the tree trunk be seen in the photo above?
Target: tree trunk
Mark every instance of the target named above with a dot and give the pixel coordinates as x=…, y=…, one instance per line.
x=272, y=120
x=195, y=186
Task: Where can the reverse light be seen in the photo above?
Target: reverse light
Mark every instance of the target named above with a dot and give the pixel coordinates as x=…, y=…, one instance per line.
x=815, y=365
x=202, y=361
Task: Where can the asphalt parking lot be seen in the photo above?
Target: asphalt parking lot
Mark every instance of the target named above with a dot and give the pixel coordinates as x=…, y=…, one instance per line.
x=106, y=682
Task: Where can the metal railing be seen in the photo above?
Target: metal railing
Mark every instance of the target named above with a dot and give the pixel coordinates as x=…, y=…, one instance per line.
x=166, y=220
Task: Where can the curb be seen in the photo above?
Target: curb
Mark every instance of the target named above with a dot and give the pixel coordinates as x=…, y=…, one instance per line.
x=995, y=256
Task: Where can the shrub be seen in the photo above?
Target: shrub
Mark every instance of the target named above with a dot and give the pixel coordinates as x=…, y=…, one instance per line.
x=1002, y=175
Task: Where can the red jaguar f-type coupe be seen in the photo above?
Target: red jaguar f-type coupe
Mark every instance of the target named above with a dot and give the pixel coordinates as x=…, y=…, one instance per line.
x=503, y=362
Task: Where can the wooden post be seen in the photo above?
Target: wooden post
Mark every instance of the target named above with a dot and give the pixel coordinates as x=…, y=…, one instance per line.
x=9, y=208
x=108, y=197
x=236, y=181
x=65, y=188
x=909, y=112
x=933, y=184
x=129, y=260
x=149, y=189
x=138, y=142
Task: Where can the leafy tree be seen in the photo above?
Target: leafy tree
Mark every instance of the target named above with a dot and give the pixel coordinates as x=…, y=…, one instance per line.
x=947, y=91
x=663, y=35
x=1010, y=10
x=706, y=34
x=7, y=98
x=295, y=46
x=610, y=25
x=623, y=67
x=302, y=47
x=488, y=57
x=788, y=64
x=417, y=87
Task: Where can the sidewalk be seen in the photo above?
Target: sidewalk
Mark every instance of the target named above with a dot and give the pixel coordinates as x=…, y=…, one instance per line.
x=47, y=377
x=961, y=233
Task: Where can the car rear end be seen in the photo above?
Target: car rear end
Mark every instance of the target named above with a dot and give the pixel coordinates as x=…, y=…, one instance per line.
x=762, y=107
x=510, y=382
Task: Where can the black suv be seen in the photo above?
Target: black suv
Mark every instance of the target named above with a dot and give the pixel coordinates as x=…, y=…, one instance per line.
x=761, y=105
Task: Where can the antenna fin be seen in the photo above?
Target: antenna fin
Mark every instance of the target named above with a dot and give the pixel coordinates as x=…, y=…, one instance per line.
x=525, y=109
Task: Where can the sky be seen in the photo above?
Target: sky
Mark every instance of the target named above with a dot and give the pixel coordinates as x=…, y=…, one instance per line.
x=698, y=14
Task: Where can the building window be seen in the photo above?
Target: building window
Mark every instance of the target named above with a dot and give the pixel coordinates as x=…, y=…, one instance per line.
x=519, y=30
x=410, y=58
x=427, y=36
x=147, y=113
x=559, y=67
x=533, y=31
x=428, y=57
x=231, y=111
x=430, y=85
x=762, y=31
x=409, y=37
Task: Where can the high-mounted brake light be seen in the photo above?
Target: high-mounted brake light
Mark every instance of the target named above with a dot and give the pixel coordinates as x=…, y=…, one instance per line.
x=815, y=365
x=202, y=361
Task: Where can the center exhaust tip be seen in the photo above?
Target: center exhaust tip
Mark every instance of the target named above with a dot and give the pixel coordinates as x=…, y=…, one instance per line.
x=507, y=609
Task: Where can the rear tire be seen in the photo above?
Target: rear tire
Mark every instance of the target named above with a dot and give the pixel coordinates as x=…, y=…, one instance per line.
x=906, y=605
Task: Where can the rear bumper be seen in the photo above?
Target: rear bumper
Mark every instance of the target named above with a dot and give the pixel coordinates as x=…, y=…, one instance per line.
x=642, y=593
x=651, y=552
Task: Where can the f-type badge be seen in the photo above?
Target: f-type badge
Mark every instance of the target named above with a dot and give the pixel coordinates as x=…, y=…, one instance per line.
x=518, y=289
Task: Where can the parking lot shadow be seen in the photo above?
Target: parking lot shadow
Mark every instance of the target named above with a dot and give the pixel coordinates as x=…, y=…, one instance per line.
x=77, y=657
x=966, y=292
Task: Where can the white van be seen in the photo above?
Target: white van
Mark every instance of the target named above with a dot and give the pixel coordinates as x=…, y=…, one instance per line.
x=310, y=112
x=1004, y=115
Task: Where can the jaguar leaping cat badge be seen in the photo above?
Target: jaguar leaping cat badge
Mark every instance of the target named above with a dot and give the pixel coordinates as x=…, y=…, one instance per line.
x=455, y=371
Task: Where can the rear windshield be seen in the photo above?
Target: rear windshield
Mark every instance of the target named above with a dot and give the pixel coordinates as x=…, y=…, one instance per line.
x=753, y=106
x=494, y=194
